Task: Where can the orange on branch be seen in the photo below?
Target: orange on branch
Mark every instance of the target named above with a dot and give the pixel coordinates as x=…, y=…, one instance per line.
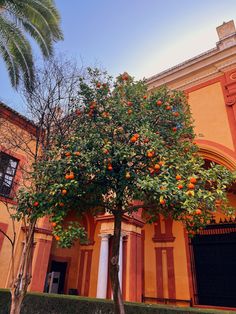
x=125, y=76
x=109, y=167
x=57, y=238
x=175, y=114
x=54, y=224
x=133, y=139
x=180, y=186
x=129, y=103
x=145, y=97
x=193, y=180
x=162, y=201
x=159, y=102
x=130, y=111
x=191, y=186
x=36, y=204
x=64, y=192
x=198, y=211
x=178, y=177
x=150, y=154
x=157, y=167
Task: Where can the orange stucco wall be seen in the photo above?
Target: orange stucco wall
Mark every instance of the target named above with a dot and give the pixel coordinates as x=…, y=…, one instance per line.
x=210, y=116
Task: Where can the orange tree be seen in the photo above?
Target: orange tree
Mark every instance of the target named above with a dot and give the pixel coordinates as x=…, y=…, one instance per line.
x=129, y=145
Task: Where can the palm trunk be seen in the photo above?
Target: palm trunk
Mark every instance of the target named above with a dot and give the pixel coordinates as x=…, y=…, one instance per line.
x=114, y=266
x=21, y=282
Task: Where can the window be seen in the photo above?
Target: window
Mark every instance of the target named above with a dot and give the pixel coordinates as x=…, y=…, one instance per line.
x=8, y=167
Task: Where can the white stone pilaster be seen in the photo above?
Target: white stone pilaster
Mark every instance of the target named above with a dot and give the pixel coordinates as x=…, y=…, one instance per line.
x=103, y=267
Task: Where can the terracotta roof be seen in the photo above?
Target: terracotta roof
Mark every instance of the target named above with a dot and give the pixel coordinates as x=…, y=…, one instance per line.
x=17, y=118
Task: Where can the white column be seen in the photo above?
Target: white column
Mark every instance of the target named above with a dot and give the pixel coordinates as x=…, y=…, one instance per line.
x=121, y=261
x=103, y=267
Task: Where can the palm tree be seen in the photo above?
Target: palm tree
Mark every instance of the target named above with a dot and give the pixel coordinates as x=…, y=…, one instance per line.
x=18, y=18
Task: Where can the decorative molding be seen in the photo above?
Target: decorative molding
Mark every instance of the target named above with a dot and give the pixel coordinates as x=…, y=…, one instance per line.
x=167, y=236
x=127, y=219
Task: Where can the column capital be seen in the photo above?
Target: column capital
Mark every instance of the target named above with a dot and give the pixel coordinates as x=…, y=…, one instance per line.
x=104, y=236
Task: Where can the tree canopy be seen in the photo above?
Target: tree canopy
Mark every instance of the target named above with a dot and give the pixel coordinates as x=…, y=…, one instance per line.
x=128, y=144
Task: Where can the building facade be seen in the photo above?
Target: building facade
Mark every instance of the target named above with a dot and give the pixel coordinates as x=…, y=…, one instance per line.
x=158, y=262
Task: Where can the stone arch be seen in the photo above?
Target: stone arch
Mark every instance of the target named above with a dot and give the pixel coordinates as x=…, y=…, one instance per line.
x=218, y=156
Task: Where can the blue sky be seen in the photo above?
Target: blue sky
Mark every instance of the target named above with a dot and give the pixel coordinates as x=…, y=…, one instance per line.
x=141, y=37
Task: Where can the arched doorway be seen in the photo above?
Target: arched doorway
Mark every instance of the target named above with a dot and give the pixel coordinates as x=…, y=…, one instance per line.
x=213, y=251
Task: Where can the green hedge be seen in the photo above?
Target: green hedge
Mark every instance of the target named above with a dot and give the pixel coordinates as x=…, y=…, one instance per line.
x=37, y=303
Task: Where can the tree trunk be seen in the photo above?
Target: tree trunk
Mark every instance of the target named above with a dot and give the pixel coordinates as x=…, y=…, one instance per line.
x=114, y=266
x=21, y=282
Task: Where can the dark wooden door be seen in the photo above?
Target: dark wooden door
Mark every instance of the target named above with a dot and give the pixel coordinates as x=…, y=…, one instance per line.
x=215, y=268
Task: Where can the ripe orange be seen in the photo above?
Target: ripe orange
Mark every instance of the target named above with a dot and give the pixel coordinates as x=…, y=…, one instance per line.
x=168, y=107
x=67, y=176
x=146, y=140
x=133, y=139
x=98, y=85
x=106, y=151
x=57, y=238
x=77, y=153
x=191, y=186
x=130, y=111
x=150, y=154
x=145, y=97
x=72, y=176
x=136, y=135
x=64, y=192
x=54, y=224
x=157, y=167
x=161, y=163
x=180, y=186
x=61, y=204
x=78, y=112
x=36, y=204
x=162, y=201
x=125, y=76
x=105, y=114
x=175, y=114
x=109, y=167
x=174, y=128
x=178, y=177
x=67, y=154
x=198, y=211
x=193, y=180
x=129, y=103
x=159, y=102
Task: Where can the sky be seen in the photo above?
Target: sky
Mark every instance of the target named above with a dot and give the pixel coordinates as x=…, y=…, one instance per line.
x=142, y=37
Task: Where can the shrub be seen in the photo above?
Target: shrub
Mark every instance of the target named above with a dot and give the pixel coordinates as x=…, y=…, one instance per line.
x=39, y=303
